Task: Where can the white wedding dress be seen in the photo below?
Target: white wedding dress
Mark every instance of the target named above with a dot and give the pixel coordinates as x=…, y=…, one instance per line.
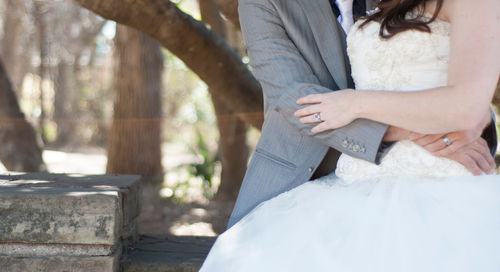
x=413, y=212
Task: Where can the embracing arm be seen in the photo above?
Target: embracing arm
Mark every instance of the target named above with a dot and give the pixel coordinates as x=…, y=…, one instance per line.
x=463, y=104
x=474, y=69
x=285, y=76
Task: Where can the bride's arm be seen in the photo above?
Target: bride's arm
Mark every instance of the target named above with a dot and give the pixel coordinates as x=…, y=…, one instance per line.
x=474, y=70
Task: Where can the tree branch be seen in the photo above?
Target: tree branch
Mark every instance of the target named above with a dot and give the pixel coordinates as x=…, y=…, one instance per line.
x=230, y=10
x=201, y=49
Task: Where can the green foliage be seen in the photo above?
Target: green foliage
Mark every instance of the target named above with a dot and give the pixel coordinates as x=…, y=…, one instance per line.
x=182, y=187
x=50, y=131
x=207, y=167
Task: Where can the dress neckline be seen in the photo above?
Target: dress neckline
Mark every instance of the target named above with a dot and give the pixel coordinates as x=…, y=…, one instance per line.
x=429, y=15
x=444, y=30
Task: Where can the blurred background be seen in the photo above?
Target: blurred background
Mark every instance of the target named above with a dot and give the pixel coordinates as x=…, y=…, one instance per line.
x=154, y=87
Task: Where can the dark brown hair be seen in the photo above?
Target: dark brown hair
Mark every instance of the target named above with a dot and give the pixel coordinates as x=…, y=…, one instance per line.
x=391, y=14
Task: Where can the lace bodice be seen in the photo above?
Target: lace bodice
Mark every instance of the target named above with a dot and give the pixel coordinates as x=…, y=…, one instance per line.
x=410, y=61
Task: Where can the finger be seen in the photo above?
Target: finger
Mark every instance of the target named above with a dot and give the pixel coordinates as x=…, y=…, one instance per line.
x=448, y=150
x=482, y=147
x=309, y=120
x=480, y=161
x=458, y=140
x=428, y=139
x=414, y=136
x=321, y=127
x=436, y=146
x=310, y=99
x=471, y=165
x=308, y=110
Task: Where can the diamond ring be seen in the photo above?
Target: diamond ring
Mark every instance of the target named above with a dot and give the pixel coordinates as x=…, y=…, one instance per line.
x=446, y=141
x=317, y=116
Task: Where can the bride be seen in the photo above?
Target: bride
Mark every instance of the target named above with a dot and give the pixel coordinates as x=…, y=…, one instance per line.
x=414, y=211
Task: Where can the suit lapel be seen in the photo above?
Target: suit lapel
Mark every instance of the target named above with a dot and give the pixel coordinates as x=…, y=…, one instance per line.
x=329, y=37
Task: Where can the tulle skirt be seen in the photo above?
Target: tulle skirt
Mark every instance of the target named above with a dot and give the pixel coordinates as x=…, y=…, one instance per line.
x=401, y=224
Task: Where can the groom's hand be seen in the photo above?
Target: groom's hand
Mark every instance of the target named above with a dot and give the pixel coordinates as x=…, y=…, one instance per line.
x=467, y=148
x=437, y=144
x=476, y=157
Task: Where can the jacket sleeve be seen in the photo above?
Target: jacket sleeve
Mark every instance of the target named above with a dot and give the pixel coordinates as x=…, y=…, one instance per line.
x=285, y=76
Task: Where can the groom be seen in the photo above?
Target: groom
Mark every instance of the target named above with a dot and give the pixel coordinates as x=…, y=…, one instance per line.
x=296, y=48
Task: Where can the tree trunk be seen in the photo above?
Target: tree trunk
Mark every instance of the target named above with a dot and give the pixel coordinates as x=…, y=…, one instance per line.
x=20, y=150
x=134, y=143
x=230, y=10
x=201, y=49
x=233, y=149
x=12, y=41
x=41, y=27
x=64, y=103
x=66, y=17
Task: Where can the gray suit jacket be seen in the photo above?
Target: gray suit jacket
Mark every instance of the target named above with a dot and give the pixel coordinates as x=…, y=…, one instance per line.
x=296, y=48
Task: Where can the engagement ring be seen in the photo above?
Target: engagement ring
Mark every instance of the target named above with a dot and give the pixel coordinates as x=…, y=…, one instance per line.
x=317, y=116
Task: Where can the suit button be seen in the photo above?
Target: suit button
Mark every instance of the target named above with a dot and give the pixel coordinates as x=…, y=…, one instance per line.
x=356, y=148
x=310, y=169
x=345, y=143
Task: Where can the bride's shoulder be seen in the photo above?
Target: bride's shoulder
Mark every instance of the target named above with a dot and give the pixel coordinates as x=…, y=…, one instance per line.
x=361, y=22
x=361, y=27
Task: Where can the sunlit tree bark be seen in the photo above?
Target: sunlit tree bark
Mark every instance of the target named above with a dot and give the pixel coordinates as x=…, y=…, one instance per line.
x=40, y=10
x=134, y=140
x=13, y=27
x=230, y=10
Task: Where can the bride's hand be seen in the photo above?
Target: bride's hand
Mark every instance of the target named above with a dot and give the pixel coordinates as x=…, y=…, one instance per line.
x=334, y=109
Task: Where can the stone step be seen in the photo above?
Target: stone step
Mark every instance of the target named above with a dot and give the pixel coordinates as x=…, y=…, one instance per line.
x=60, y=263
x=65, y=222
x=67, y=209
x=166, y=254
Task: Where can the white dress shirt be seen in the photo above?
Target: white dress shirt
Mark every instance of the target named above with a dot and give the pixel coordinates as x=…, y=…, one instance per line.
x=346, y=18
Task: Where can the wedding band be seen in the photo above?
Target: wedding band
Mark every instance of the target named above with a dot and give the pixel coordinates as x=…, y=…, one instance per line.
x=317, y=116
x=446, y=141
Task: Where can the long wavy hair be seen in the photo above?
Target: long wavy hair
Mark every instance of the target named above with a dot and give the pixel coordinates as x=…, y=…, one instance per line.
x=393, y=19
